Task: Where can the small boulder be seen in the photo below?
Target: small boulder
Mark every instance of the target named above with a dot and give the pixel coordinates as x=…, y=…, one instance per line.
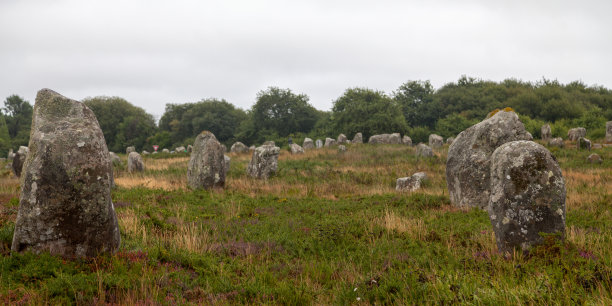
x=206, y=168
x=385, y=139
x=330, y=142
x=296, y=149
x=545, y=132
x=180, y=149
x=450, y=140
x=165, y=151
x=423, y=150
x=341, y=148
x=239, y=147
x=130, y=150
x=407, y=140
x=10, y=155
x=308, y=144
x=227, y=160
x=608, y=138
x=145, y=152
x=594, y=158
x=583, y=143
x=410, y=183
x=358, y=138
x=264, y=162
x=135, y=163
x=319, y=143
x=115, y=160
x=342, y=139
x=556, y=142
x=435, y=141
x=251, y=148
x=527, y=195
x=575, y=133
x=19, y=160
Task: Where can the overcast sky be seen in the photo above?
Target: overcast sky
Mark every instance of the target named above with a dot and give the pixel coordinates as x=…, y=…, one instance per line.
x=157, y=52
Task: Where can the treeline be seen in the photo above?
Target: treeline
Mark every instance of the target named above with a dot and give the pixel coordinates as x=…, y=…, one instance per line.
x=415, y=109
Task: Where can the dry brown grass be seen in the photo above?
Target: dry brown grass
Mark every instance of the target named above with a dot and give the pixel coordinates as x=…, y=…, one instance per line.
x=415, y=228
x=131, y=181
x=162, y=164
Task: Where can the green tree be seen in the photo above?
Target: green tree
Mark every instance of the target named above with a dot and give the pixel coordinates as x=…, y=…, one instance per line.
x=414, y=97
x=18, y=120
x=5, y=139
x=367, y=111
x=283, y=112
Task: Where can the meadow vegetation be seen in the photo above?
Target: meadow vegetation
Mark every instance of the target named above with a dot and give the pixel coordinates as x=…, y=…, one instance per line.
x=329, y=228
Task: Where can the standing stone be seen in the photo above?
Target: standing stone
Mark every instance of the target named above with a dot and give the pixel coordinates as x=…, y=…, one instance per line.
x=319, y=143
x=358, y=138
x=251, y=148
x=114, y=158
x=575, y=133
x=410, y=183
x=145, y=152
x=450, y=140
x=135, y=163
x=468, y=165
x=10, y=155
x=385, y=139
x=165, y=151
x=180, y=149
x=608, y=132
x=206, y=167
x=342, y=139
x=330, y=142
x=130, y=150
x=435, y=141
x=583, y=143
x=341, y=148
x=264, y=162
x=556, y=142
x=308, y=144
x=527, y=195
x=407, y=140
x=296, y=149
x=227, y=162
x=423, y=150
x=65, y=205
x=545, y=132
x=172, y=152
x=239, y=147
x=19, y=159
x=594, y=158
x=189, y=149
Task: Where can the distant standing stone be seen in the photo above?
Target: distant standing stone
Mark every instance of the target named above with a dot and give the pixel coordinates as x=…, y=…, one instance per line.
x=358, y=138
x=251, y=148
x=319, y=143
x=545, y=132
x=410, y=183
x=296, y=149
x=342, y=139
x=207, y=164
x=65, y=205
x=145, y=152
x=341, y=148
x=189, y=148
x=407, y=140
x=228, y=162
x=435, y=141
x=594, y=158
x=115, y=160
x=10, y=155
x=130, y=150
x=583, y=143
x=19, y=160
x=608, y=132
x=165, y=151
x=135, y=163
x=180, y=149
x=264, y=162
x=423, y=150
x=450, y=140
x=556, y=142
x=527, y=195
x=575, y=133
x=308, y=144
x=239, y=147
x=330, y=142
x=385, y=139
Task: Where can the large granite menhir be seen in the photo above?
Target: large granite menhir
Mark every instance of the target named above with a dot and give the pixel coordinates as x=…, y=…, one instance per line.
x=468, y=163
x=207, y=167
x=65, y=206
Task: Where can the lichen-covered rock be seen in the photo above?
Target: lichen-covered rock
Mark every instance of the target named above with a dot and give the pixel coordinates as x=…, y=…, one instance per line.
x=296, y=149
x=308, y=144
x=450, y=140
x=145, y=152
x=228, y=162
x=342, y=139
x=264, y=162
x=10, y=155
x=608, y=138
x=319, y=143
x=575, y=133
x=527, y=195
x=594, y=158
x=435, y=141
x=385, y=139
x=468, y=163
x=130, y=149
x=407, y=140
x=410, y=183
x=358, y=138
x=341, y=148
x=545, y=132
x=115, y=160
x=330, y=142
x=165, y=150
x=206, y=168
x=180, y=149
x=556, y=142
x=423, y=150
x=19, y=159
x=65, y=205
x=239, y=147
x=583, y=143
x=251, y=148
x=135, y=162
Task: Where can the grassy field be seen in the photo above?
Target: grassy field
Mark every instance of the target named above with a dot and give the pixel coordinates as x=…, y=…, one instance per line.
x=329, y=228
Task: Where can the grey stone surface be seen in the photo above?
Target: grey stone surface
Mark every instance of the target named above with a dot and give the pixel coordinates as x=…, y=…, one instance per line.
x=583, y=143
x=450, y=140
x=342, y=139
x=19, y=159
x=468, y=163
x=296, y=149
x=264, y=162
x=115, y=160
x=180, y=149
x=341, y=148
x=319, y=143
x=65, y=205
x=239, y=147
x=435, y=141
x=385, y=139
x=527, y=195
x=575, y=133
x=608, y=138
x=594, y=158
x=358, y=138
x=308, y=144
x=227, y=162
x=10, y=155
x=135, y=163
x=206, y=168
x=556, y=142
x=410, y=183
x=330, y=142
x=145, y=152
x=165, y=150
x=423, y=150
x=407, y=140
x=545, y=132
x=130, y=149
x=251, y=148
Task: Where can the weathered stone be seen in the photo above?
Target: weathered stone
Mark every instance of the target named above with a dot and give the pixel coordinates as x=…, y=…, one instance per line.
x=206, y=167
x=407, y=140
x=385, y=139
x=435, y=141
x=358, y=138
x=296, y=149
x=575, y=133
x=319, y=143
x=608, y=138
x=330, y=142
x=341, y=148
x=228, y=163
x=308, y=144
x=556, y=142
x=450, y=140
x=264, y=162
x=19, y=159
x=342, y=139
x=135, y=163
x=130, y=150
x=423, y=150
x=180, y=149
x=65, y=205
x=527, y=195
x=10, y=155
x=583, y=143
x=239, y=147
x=251, y=148
x=269, y=143
x=145, y=152
x=468, y=165
x=545, y=132
x=165, y=151
x=594, y=158
x=114, y=158
x=172, y=152
x=410, y=183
